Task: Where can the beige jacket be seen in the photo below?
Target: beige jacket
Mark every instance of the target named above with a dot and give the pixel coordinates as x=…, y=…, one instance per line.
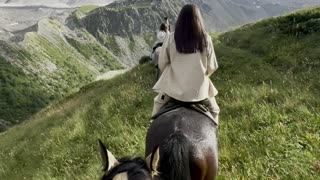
x=185, y=77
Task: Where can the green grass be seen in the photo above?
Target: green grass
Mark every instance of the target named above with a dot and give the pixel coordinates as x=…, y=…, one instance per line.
x=18, y=91
x=270, y=101
x=27, y=85
x=269, y=96
x=67, y=147
x=109, y=41
x=130, y=5
x=83, y=10
x=150, y=38
x=96, y=51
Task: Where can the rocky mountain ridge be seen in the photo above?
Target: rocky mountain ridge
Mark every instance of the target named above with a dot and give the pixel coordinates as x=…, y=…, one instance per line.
x=56, y=3
x=141, y=16
x=49, y=62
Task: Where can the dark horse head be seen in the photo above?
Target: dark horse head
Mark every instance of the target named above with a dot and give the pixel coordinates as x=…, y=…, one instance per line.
x=128, y=168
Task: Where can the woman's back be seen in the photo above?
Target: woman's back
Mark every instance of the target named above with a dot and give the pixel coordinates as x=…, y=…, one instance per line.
x=185, y=77
x=186, y=61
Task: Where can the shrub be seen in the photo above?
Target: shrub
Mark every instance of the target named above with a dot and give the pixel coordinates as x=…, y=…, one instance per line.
x=145, y=59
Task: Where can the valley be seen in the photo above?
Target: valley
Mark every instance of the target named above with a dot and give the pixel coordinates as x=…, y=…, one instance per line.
x=70, y=76
x=62, y=46
x=269, y=96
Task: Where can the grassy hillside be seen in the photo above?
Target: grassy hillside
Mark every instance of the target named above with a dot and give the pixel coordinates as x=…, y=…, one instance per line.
x=19, y=91
x=46, y=66
x=84, y=10
x=270, y=98
x=270, y=111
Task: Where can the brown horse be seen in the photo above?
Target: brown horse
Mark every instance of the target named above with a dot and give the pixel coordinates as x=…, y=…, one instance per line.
x=180, y=144
x=188, y=145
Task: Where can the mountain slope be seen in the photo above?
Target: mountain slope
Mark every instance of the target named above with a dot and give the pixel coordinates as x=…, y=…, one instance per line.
x=224, y=14
x=17, y=15
x=270, y=111
x=62, y=56
x=52, y=60
x=127, y=28
x=219, y=15
x=59, y=3
x=61, y=59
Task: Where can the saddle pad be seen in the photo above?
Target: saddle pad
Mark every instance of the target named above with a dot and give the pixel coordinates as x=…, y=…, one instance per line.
x=174, y=104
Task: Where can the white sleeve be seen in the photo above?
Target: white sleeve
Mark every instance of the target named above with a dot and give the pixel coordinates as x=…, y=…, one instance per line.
x=164, y=56
x=212, y=64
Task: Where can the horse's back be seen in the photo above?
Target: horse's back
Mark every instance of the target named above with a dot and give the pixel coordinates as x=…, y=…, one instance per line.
x=200, y=132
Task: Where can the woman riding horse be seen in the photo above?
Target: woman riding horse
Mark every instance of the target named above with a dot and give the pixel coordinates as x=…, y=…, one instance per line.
x=181, y=144
x=187, y=139
x=186, y=61
x=161, y=36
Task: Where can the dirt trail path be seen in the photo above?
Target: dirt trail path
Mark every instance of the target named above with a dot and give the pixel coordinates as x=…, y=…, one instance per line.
x=111, y=74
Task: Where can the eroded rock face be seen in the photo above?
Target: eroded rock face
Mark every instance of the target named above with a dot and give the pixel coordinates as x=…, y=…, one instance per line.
x=50, y=62
x=139, y=16
x=56, y=3
x=17, y=15
x=125, y=18
x=14, y=19
x=128, y=27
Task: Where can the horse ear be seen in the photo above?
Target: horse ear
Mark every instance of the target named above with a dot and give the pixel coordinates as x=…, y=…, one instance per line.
x=153, y=161
x=108, y=160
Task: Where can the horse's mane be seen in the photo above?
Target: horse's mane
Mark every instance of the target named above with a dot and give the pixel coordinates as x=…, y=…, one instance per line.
x=136, y=168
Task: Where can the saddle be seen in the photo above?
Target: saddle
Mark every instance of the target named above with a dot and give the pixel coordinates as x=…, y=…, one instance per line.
x=175, y=104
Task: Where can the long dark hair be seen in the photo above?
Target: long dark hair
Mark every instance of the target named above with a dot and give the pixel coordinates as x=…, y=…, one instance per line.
x=189, y=33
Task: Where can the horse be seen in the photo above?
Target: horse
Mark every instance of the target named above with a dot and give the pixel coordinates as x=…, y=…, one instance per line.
x=180, y=144
x=188, y=145
x=127, y=168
